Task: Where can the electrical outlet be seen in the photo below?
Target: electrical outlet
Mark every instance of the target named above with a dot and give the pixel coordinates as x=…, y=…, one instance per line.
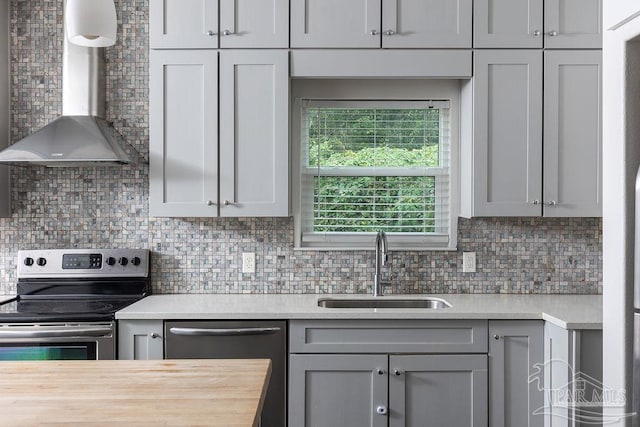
x=248, y=262
x=468, y=262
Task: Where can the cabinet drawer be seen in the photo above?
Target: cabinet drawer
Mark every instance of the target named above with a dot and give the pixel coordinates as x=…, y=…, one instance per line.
x=388, y=336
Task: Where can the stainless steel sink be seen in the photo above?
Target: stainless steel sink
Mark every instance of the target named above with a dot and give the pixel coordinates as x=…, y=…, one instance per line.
x=383, y=302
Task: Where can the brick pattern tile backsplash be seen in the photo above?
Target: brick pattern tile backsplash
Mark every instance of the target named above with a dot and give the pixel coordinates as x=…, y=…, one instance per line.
x=108, y=207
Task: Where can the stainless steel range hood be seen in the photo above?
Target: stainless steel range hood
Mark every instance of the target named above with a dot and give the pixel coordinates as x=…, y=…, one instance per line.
x=81, y=136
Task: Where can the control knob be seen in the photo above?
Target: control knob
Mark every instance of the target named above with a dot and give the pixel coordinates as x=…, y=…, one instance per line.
x=111, y=260
x=135, y=261
x=41, y=262
x=28, y=261
x=123, y=261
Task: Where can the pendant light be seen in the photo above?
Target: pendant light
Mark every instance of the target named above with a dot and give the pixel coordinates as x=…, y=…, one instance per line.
x=91, y=23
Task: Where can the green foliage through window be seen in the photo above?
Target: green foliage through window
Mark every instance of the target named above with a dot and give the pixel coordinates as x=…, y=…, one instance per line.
x=376, y=169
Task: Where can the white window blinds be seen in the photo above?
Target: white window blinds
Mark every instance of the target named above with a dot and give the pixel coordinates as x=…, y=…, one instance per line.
x=375, y=165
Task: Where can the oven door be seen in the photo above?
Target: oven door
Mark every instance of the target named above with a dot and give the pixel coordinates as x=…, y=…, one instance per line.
x=57, y=341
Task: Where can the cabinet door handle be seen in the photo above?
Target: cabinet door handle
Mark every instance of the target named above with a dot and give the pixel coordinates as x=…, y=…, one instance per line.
x=211, y=33
x=210, y=203
x=536, y=202
x=537, y=33
x=227, y=33
x=381, y=410
x=374, y=32
x=155, y=335
x=228, y=203
x=496, y=337
x=222, y=332
x=380, y=371
x=397, y=372
x=552, y=33
x=552, y=203
x=390, y=32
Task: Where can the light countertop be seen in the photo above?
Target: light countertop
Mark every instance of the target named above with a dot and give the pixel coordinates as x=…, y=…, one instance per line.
x=566, y=311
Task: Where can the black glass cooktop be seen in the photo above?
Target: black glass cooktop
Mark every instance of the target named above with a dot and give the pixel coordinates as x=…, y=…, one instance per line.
x=61, y=309
x=77, y=300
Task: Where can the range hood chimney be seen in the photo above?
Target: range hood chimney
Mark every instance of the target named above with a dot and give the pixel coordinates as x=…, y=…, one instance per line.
x=81, y=136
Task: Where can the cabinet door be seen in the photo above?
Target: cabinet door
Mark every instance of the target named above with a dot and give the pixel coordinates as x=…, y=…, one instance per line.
x=426, y=23
x=516, y=398
x=507, y=133
x=254, y=133
x=573, y=24
x=438, y=390
x=572, y=370
x=254, y=23
x=507, y=23
x=183, y=24
x=573, y=134
x=335, y=23
x=140, y=340
x=337, y=390
x=183, y=130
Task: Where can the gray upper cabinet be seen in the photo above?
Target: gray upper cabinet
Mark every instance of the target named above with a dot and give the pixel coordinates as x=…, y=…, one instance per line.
x=567, y=24
x=573, y=24
x=502, y=159
x=254, y=24
x=242, y=24
x=5, y=102
x=381, y=23
x=254, y=133
x=335, y=23
x=185, y=139
x=572, y=133
x=426, y=23
x=504, y=172
x=183, y=133
x=516, y=351
x=183, y=24
x=508, y=24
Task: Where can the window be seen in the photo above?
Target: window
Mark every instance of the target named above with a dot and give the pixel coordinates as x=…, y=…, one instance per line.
x=370, y=165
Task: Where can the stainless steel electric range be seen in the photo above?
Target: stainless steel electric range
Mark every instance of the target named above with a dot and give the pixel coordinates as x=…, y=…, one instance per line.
x=66, y=302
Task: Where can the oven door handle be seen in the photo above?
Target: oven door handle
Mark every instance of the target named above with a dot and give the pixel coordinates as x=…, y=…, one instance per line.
x=55, y=333
x=221, y=332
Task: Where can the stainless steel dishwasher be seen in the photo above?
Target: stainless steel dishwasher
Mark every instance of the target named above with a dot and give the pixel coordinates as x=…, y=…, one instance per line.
x=236, y=340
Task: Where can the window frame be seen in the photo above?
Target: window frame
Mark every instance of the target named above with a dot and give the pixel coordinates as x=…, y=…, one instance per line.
x=362, y=93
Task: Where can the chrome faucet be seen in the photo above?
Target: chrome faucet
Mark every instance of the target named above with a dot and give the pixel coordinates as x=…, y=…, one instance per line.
x=381, y=260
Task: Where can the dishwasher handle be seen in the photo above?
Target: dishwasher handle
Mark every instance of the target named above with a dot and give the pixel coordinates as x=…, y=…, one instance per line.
x=223, y=332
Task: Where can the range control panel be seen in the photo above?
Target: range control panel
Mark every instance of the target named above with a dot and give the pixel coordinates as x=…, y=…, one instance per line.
x=83, y=263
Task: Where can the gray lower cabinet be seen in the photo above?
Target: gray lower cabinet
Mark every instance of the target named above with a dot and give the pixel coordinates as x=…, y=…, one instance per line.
x=438, y=390
x=573, y=377
x=327, y=390
x=515, y=356
x=399, y=373
x=140, y=340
